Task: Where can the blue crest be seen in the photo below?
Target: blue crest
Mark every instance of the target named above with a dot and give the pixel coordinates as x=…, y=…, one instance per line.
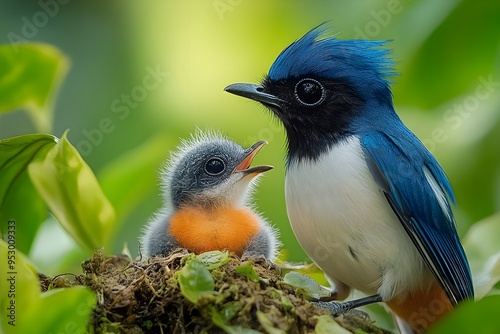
x=358, y=61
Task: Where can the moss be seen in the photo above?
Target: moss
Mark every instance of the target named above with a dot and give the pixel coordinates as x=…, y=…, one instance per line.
x=144, y=297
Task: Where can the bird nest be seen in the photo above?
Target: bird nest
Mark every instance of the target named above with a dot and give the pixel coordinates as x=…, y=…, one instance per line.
x=209, y=293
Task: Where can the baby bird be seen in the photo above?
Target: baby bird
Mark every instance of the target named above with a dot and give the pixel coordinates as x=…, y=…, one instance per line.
x=207, y=186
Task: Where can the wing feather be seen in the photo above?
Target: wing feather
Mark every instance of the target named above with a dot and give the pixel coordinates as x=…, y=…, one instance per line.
x=418, y=191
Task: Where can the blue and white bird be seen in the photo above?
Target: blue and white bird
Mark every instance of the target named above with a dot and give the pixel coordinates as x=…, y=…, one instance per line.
x=366, y=200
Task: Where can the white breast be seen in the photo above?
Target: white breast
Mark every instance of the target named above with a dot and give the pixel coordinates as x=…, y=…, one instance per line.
x=346, y=226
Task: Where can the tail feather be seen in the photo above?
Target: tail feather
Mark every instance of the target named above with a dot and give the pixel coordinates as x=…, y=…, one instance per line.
x=421, y=310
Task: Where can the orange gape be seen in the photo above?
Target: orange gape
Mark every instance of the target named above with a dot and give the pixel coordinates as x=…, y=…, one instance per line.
x=201, y=230
x=423, y=309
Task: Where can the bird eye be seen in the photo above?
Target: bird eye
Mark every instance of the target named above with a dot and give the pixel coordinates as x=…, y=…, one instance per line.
x=215, y=166
x=309, y=92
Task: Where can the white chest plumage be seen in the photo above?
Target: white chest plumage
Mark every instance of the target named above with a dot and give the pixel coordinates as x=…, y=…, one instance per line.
x=346, y=226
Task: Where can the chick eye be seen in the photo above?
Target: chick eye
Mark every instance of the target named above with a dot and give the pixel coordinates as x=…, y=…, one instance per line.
x=309, y=92
x=215, y=166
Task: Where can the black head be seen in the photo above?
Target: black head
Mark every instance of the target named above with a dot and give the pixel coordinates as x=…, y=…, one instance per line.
x=321, y=90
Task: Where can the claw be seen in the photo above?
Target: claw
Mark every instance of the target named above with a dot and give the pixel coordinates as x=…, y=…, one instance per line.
x=335, y=308
x=340, y=308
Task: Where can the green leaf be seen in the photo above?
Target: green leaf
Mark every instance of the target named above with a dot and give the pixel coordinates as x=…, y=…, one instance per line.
x=213, y=259
x=18, y=285
x=481, y=241
x=326, y=325
x=483, y=253
x=306, y=285
x=16, y=190
x=489, y=277
x=479, y=317
x=56, y=311
x=14, y=210
x=308, y=269
x=72, y=193
x=29, y=78
x=195, y=281
x=249, y=272
x=60, y=311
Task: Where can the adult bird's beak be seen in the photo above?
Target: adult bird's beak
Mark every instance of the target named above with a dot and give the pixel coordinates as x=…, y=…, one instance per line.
x=250, y=153
x=254, y=92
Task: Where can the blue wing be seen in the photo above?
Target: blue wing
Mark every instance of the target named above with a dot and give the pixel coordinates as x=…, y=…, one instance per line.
x=418, y=191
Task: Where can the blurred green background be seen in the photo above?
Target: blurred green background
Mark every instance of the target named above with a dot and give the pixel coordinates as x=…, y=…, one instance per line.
x=145, y=74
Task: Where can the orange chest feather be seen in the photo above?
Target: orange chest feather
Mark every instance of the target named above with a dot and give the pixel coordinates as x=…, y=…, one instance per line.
x=423, y=309
x=202, y=230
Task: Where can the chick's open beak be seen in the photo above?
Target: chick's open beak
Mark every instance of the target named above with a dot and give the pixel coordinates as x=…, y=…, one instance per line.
x=244, y=165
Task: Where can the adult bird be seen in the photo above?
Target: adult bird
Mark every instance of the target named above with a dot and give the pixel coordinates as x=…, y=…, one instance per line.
x=207, y=187
x=366, y=200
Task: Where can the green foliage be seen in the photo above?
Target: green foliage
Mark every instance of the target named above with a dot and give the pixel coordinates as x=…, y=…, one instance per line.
x=308, y=287
x=481, y=245
x=29, y=78
x=195, y=280
x=59, y=309
x=75, y=198
x=214, y=259
x=55, y=311
x=479, y=317
x=248, y=271
x=16, y=189
x=62, y=180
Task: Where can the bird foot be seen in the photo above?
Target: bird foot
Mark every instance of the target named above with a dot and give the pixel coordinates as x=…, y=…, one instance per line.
x=335, y=308
x=358, y=313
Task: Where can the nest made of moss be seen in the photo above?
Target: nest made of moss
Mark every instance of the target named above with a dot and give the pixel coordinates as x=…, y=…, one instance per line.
x=207, y=293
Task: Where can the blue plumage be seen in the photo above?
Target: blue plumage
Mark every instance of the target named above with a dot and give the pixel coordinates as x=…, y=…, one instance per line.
x=358, y=180
x=402, y=160
x=362, y=62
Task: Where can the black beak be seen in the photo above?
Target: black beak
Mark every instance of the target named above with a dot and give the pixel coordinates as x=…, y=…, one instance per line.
x=254, y=92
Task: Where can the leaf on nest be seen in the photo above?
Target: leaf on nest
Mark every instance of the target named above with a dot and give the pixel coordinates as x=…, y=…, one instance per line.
x=308, y=287
x=214, y=259
x=249, y=272
x=195, y=281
